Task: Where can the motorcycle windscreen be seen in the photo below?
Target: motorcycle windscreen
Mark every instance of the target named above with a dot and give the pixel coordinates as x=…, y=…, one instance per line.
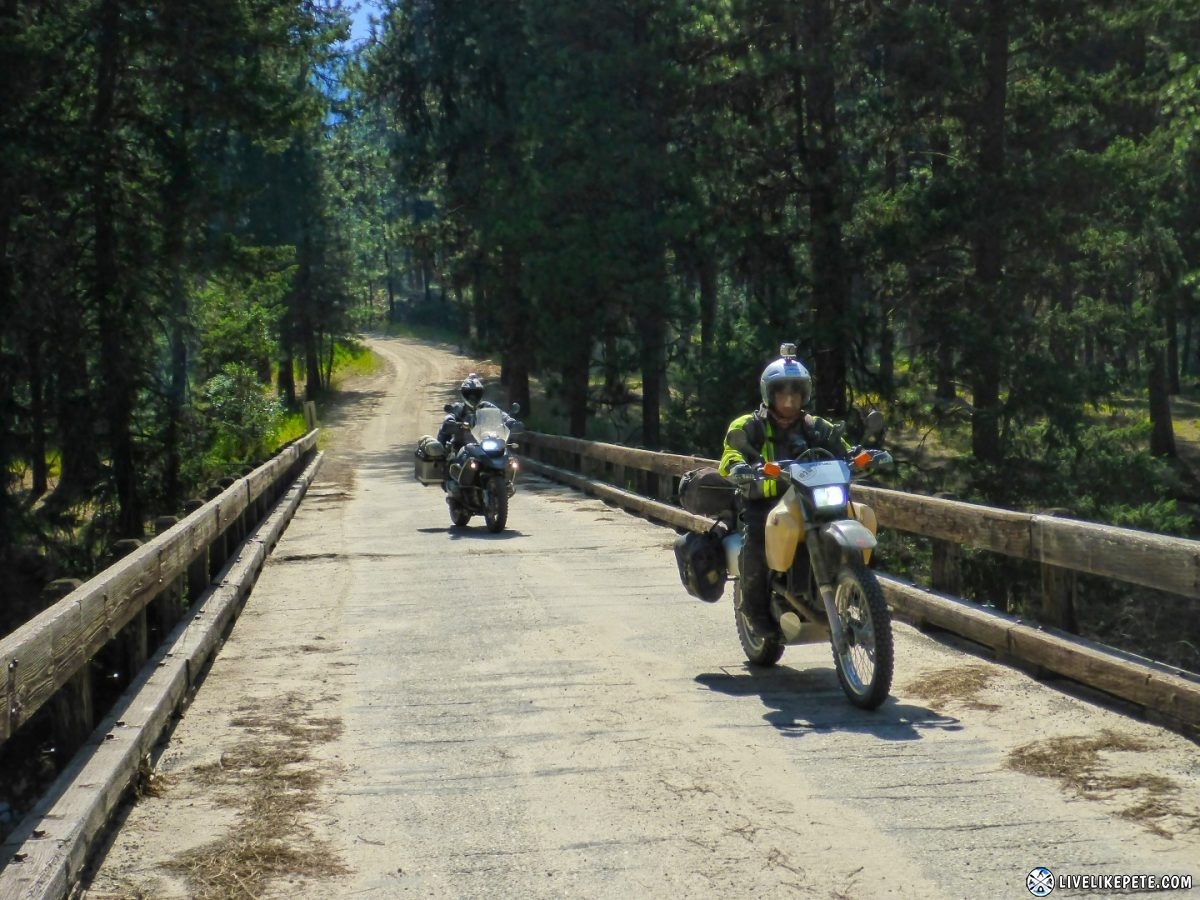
x=819, y=474
x=489, y=423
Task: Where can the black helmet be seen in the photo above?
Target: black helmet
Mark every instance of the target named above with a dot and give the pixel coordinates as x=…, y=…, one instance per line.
x=472, y=390
x=785, y=370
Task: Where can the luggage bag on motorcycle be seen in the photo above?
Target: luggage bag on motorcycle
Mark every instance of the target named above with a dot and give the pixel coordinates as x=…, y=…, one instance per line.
x=430, y=464
x=706, y=492
x=702, y=567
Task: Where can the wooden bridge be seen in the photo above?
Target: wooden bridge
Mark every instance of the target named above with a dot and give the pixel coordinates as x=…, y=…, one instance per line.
x=561, y=604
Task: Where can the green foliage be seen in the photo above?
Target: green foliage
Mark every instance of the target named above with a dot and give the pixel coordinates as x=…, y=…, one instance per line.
x=238, y=313
x=352, y=358
x=238, y=415
x=287, y=427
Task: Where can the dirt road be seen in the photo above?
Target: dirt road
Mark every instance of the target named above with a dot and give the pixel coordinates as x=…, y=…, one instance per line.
x=410, y=710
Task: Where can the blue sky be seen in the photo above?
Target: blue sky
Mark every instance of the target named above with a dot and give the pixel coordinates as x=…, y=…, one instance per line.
x=359, y=28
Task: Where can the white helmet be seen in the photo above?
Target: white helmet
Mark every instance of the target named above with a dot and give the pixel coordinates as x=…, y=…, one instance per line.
x=785, y=370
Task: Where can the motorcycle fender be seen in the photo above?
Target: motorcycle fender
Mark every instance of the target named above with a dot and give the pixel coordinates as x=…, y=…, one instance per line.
x=851, y=535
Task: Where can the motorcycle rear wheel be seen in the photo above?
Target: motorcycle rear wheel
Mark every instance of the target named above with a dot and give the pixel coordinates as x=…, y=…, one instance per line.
x=760, y=650
x=865, y=669
x=495, y=505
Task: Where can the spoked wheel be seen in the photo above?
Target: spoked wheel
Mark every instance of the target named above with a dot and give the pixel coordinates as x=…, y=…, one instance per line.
x=865, y=668
x=760, y=650
x=495, y=505
x=458, y=514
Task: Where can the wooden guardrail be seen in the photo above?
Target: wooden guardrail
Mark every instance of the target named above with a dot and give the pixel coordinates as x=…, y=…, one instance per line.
x=49, y=656
x=644, y=482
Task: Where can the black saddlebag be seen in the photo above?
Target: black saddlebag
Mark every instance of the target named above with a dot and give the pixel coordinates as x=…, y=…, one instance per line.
x=701, y=560
x=706, y=492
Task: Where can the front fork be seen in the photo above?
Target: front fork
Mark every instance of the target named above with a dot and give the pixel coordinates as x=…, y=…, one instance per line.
x=824, y=579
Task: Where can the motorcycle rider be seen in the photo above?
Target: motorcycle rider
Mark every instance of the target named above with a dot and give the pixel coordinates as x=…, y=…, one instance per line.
x=455, y=431
x=778, y=429
x=456, y=428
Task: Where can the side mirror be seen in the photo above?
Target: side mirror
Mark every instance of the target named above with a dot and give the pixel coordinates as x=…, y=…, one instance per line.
x=873, y=424
x=514, y=409
x=449, y=407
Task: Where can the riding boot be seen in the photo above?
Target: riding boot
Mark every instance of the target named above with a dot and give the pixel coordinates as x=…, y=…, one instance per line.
x=755, y=576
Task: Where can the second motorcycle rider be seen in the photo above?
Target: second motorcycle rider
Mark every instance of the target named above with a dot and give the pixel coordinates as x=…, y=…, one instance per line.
x=778, y=429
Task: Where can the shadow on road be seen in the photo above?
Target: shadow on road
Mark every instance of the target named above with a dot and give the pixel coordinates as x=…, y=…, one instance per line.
x=474, y=532
x=808, y=701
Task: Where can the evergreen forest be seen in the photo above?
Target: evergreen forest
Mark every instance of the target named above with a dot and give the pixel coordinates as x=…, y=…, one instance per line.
x=980, y=216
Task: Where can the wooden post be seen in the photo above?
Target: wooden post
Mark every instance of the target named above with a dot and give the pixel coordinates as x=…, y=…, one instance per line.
x=234, y=533
x=134, y=639
x=197, y=573
x=946, y=568
x=251, y=517
x=168, y=606
x=1058, y=591
x=945, y=573
x=218, y=550
x=73, y=708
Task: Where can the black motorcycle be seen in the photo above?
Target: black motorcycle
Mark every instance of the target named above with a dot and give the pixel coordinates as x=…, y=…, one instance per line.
x=482, y=475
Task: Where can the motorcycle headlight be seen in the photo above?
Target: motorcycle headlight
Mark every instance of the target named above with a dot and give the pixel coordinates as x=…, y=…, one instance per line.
x=493, y=445
x=829, y=496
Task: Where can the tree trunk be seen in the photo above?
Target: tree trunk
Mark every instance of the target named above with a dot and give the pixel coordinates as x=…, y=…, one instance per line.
x=652, y=333
x=37, y=416
x=517, y=327
x=887, y=351
x=831, y=291
x=1162, y=431
x=708, y=304
x=312, y=361
x=108, y=294
x=391, y=286
x=1172, y=362
x=287, y=365
x=989, y=241
x=174, y=250
x=575, y=392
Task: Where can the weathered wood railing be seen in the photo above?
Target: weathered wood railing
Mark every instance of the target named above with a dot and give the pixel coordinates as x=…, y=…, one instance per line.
x=644, y=482
x=49, y=657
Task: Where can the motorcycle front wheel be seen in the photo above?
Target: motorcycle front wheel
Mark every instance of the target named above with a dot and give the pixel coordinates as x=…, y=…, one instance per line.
x=865, y=668
x=495, y=504
x=761, y=650
x=458, y=514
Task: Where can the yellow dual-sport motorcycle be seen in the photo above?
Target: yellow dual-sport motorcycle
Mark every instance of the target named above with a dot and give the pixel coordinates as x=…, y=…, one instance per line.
x=818, y=547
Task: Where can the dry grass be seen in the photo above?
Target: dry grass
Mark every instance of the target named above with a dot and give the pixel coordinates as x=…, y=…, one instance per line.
x=270, y=778
x=1077, y=764
x=960, y=684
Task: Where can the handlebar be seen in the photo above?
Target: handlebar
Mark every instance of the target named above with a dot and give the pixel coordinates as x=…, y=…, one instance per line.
x=859, y=459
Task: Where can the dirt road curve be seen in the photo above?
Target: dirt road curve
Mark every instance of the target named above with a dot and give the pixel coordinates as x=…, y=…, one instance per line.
x=410, y=710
